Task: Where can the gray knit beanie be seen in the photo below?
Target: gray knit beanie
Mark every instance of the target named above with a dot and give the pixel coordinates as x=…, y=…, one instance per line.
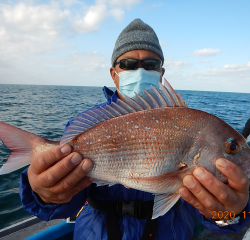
x=137, y=35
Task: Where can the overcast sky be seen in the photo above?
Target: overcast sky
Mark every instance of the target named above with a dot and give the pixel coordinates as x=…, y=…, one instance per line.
x=70, y=42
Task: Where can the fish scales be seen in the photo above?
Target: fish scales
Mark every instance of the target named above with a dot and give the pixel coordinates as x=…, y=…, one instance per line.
x=140, y=145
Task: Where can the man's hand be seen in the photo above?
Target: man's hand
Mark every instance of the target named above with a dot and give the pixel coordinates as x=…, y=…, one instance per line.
x=209, y=195
x=57, y=174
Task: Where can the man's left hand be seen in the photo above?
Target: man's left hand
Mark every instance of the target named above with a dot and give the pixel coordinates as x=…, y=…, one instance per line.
x=209, y=195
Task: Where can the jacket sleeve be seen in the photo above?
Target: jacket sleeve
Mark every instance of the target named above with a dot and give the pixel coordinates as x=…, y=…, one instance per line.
x=35, y=206
x=211, y=225
x=246, y=130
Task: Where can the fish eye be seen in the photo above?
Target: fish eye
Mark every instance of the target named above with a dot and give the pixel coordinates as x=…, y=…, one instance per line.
x=231, y=146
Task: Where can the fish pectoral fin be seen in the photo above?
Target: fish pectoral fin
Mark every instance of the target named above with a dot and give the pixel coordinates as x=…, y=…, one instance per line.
x=163, y=203
x=111, y=184
x=100, y=183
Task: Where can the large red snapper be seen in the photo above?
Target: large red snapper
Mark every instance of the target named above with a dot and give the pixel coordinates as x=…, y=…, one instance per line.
x=148, y=143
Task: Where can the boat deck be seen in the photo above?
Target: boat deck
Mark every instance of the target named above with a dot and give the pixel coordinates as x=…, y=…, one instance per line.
x=27, y=228
x=37, y=230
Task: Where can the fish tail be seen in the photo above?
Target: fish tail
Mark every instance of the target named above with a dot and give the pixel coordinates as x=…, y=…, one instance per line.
x=22, y=144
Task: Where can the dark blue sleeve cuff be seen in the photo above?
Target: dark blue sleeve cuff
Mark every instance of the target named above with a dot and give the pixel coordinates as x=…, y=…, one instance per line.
x=35, y=206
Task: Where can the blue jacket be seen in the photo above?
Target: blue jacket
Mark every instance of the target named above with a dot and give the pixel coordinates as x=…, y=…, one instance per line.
x=175, y=224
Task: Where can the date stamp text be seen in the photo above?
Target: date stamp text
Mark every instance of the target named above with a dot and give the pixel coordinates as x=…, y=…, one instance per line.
x=227, y=215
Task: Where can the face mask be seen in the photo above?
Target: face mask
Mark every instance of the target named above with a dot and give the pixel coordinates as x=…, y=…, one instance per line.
x=132, y=81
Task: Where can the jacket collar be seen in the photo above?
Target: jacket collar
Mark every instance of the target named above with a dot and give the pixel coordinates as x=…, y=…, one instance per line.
x=110, y=95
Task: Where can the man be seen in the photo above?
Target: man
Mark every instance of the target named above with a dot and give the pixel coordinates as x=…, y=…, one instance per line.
x=55, y=185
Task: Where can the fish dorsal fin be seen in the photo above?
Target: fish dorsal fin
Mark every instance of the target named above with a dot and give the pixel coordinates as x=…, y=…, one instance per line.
x=163, y=96
x=172, y=93
x=150, y=99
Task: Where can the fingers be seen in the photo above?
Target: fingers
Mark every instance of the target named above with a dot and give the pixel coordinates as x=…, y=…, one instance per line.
x=46, y=159
x=190, y=198
x=71, y=180
x=217, y=188
x=67, y=196
x=237, y=179
x=55, y=173
x=208, y=194
x=198, y=196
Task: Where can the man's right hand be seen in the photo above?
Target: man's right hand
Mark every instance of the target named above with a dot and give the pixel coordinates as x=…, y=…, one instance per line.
x=57, y=174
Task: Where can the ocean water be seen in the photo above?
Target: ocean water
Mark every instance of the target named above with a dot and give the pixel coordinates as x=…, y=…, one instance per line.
x=44, y=110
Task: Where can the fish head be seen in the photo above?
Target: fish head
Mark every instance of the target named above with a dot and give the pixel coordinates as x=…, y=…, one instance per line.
x=220, y=140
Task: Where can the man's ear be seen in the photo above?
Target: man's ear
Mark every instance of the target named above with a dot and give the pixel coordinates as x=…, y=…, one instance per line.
x=114, y=77
x=163, y=71
x=112, y=73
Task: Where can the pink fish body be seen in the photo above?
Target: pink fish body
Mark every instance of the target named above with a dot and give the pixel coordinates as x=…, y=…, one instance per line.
x=149, y=143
